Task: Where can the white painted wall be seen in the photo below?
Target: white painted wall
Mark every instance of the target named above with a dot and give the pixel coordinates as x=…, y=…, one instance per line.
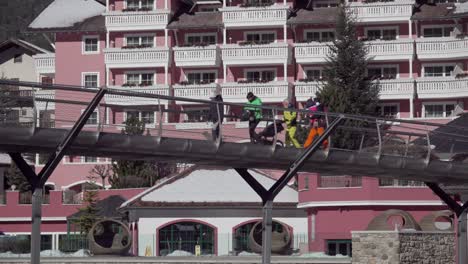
x=147, y=236
x=25, y=71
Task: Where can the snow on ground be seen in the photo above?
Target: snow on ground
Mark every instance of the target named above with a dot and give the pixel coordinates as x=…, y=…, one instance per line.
x=47, y=253
x=65, y=13
x=180, y=253
x=320, y=255
x=245, y=253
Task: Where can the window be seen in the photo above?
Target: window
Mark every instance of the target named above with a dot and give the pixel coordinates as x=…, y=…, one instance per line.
x=325, y=4
x=386, y=34
x=438, y=70
x=139, y=79
x=18, y=58
x=319, y=36
x=93, y=119
x=140, y=4
x=400, y=183
x=208, y=9
x=438, y=109
x=261, y=37
x=90, y=45
x=313, y=74
x=90, y=80
x=260, y=76
x=133, y=4
x=342, y=247
x=140, y=41
x=389, y=110
x=147, y=4
x=201, y=77
x=146, y=117
x=437, y=32
x=383, y=72
x=87, y=159
x=209, y=39
x=73, y=159
x=47, y=80
x=306, y=182
x=197, y=115
x=24, y=112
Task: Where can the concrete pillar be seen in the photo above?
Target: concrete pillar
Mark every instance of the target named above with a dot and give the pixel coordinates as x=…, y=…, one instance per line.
x=165, y=4
x=166, y=73
x=285, y=33
x=411, y=68
x=224, y=73
x=411, y=103
x=107, y=38
x=410, y=28
x=224, y=36
x=166, y=38
x=285, y=71
x=107, y=5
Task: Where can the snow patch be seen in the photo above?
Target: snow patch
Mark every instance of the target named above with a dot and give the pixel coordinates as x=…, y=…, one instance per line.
x=47, y=253
x=245, y=253
x=65, y=13
x=180, y=253
x=321, y=255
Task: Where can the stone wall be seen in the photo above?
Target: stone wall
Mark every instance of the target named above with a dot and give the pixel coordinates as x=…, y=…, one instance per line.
x=403, y=247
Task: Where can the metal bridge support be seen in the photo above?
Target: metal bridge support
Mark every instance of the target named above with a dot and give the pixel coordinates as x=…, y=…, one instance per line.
x=461, y=213
x=269, y=195
x=38, y=181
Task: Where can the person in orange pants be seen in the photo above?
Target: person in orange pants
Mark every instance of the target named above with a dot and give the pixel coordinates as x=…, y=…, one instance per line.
x=314, y=131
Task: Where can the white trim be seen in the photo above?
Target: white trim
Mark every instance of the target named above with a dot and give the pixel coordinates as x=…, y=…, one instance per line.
x=424, y=65
x=140, y=73
x=260, y=33
x=139, y=35
x=396, y=28
x=201, y=35
x=436, y=26
x=139, y=4
x=246, y=70
x=81, y=182
x=304, y=35
x=371, y=203
x=83, y=74
x=330, y=3
x=311, y=68
x=382, y=66
x=66, y=160
x=28, y=219
x=186, y=73
x=397, y=104
x=312, y=227
x=444, y=103
x=83, y=44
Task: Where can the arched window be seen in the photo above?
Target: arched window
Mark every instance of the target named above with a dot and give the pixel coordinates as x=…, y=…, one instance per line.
x=182, y=237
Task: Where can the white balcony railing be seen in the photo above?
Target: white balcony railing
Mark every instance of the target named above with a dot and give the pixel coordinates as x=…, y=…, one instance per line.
x=194, y=91
x=305, y=90
x=45, y=63
x=449, y=87
x=45, y=94
x=136, y=58
x=396, y=89
x=236, y=16
x=442, y=48
x=311, y=52
x=390, y=49
x=235, y=54
x=129, y=100
x=268, y=92
x=389, y=89
x=382, y=12
x=196, y=56
x=317, y=52
x=143, y=20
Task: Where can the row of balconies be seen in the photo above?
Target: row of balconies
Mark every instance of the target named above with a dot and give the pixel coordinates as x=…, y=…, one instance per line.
x=236, y=16
x=273, y=53
x=426, y=88
x=280, y=53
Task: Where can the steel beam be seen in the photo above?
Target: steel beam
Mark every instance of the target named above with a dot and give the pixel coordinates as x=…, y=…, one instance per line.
x=23, y=166
x=451, y=203
x=254, y=184
x=462, y=237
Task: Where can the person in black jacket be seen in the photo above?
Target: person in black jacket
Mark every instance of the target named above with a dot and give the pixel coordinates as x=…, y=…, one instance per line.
x=214, y=117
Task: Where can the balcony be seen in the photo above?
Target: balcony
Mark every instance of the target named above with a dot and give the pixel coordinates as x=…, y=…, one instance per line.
x=45, y=63
x=383, y=12
x=384, y=50
x=236, y=16
x=45, y=94
x=379, y=50
x=441, y=48
x=304, y=90
x=136, y=58
x=196, y=56
x=194, y=91
x=257, y=54
x=389, y=89
x=138, y=20
x=128, y=100
x=268, y=92
x=396, y=89
x=449, y=87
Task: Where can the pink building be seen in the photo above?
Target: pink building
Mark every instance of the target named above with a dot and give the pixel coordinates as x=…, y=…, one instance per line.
x=274, y=49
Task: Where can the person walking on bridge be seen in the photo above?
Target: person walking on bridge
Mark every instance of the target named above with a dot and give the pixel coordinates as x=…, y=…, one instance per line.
x=290, y=118
x=255, y=115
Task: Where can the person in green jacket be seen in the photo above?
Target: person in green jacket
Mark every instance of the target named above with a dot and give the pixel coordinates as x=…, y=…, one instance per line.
x=255, y=115
x=290, y=118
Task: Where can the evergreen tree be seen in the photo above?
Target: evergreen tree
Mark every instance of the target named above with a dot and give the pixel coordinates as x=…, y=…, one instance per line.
x=347, y=88
x=137, y=173
x=89, y=214
x=15, y=177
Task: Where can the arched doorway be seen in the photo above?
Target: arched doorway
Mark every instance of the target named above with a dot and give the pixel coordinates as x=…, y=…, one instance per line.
x=182, y=238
